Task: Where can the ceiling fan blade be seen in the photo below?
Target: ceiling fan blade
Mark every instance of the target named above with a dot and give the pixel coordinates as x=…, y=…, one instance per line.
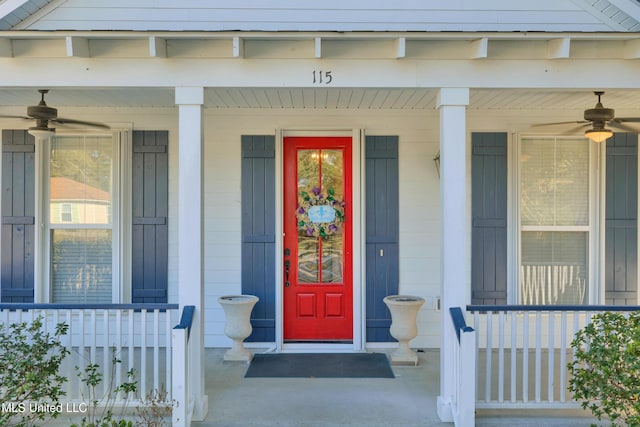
x=63, y=121
x=626, y=119
x=576, y=129
x=560, y=123
x=617, y=125
x=15, y=117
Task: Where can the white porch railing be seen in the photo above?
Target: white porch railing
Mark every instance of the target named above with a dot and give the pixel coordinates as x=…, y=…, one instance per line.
x=522, y=353
x=463, y=402
x=139, y=335
x=183, y=349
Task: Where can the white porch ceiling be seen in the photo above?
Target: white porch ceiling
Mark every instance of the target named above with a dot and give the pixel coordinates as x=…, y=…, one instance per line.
x=329, y=98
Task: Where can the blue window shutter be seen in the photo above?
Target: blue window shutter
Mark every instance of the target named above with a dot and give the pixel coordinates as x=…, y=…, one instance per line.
x=382, y=230
x=18, y=216
x=259, y=232
x=621, y=220
x=489, y=216
x=150, y=177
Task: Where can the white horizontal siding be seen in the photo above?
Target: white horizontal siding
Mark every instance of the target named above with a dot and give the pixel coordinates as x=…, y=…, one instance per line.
x=419, y=186
x=418, y=131
x=419, y=243
x=419, y=239
x=334, y=15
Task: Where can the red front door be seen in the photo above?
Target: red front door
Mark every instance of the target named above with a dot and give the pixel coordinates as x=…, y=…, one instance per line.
x=318, y=291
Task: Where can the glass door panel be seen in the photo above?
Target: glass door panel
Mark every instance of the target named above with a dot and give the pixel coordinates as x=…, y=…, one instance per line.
x=320, y=213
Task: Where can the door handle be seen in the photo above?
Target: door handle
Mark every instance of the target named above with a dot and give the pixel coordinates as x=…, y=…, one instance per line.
x=287, y=264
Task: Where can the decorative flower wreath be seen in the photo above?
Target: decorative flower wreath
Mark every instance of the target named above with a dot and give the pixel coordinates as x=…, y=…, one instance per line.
x=319, y=215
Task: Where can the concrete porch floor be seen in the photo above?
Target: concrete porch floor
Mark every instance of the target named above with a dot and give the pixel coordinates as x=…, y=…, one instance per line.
x=407, y=400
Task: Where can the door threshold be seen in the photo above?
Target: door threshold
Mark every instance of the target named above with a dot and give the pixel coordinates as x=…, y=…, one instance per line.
x=318, y=342
x=319, y=347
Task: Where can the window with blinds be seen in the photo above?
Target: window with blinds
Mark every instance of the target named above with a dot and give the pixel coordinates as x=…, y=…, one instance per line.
x=81, y=182
x=554, y=221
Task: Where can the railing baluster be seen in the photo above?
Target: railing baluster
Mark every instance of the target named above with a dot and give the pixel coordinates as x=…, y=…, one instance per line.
x=156, y=349
x=501, y=367
x=105, y=353
x=538, y=372
x=93, y=330
x=487, y=387
x=70, y=374
x=143, y=353
x=168, y=347
x=81, y=347
x=525, y=357
x=132, y=338
x=45, y=319
x=563, y=356
x=118, y=348
x=476, y=326
x=551, y=378
x=514, y=347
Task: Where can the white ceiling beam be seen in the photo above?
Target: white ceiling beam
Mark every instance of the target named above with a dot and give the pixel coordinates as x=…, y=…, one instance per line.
x=278, y=72
x=479, y=48
x=559, y=48
x=400, y=47
x=77, y=46
x=632, y=49
x=6, y=48
x=157, y=47
x=238, y=47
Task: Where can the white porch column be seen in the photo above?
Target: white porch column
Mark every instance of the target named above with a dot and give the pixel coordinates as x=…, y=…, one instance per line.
x=191, y=233
x=452, y=104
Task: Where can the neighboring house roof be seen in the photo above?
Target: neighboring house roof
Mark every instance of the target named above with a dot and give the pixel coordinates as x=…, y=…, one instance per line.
x=331, y=15
x=14, y=12
x=62, y=188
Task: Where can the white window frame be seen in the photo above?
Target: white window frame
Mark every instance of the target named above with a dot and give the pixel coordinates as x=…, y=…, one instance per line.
x=121, y=217
x=595, y=229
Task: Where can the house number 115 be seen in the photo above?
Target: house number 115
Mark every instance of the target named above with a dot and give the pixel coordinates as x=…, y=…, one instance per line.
x=322, y=77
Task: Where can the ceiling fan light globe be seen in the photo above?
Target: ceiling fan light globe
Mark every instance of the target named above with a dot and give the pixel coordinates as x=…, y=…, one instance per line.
x=598, y=135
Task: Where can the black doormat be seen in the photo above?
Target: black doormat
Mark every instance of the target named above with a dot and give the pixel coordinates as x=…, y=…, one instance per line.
x=320, y=365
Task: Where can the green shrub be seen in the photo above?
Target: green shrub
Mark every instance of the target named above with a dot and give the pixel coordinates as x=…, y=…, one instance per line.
x=605, y=373
x=30, y=359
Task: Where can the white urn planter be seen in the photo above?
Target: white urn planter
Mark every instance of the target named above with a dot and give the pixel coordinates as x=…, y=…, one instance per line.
x=404, y=315
x=237, y=309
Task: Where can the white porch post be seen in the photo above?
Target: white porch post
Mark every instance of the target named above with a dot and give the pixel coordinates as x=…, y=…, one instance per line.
x=452, y=104
x=190, y=233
